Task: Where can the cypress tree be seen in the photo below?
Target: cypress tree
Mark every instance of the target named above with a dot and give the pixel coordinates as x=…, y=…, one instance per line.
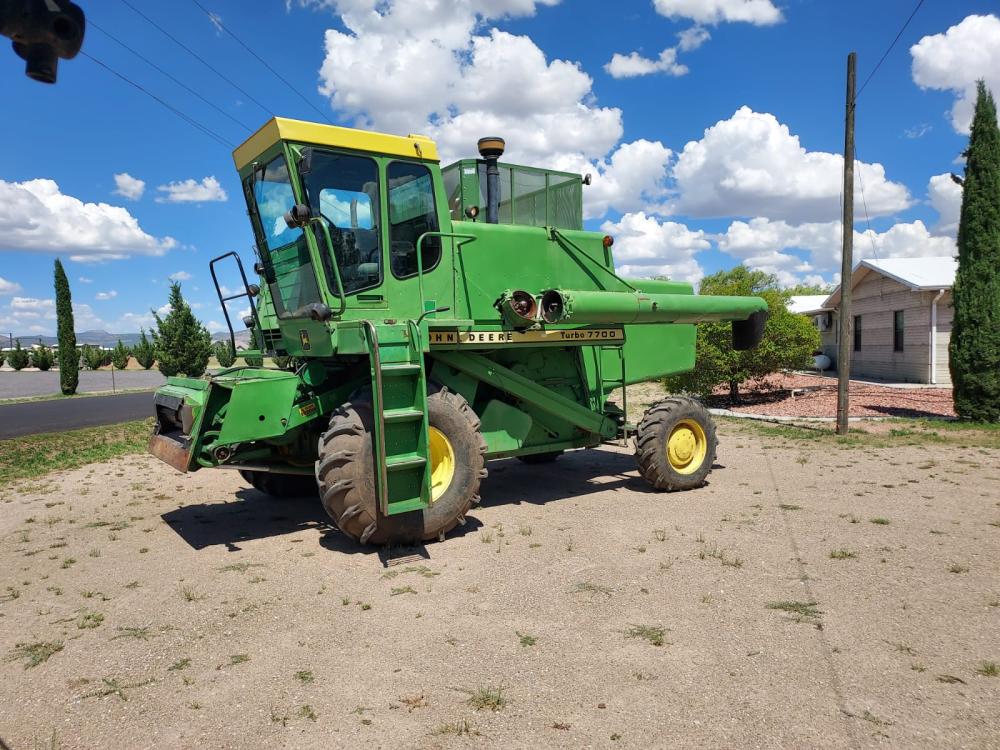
x=974, y=350
x=69, y=357
x=182, y=343
x=143, y=351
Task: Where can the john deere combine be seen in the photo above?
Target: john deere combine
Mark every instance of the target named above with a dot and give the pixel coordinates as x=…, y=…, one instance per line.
x=437, y=318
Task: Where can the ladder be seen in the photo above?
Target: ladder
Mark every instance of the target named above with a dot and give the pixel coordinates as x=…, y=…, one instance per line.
x=399, y=401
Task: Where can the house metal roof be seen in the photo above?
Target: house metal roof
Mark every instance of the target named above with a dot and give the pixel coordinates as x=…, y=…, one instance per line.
x=919, y=274
x=806, y=304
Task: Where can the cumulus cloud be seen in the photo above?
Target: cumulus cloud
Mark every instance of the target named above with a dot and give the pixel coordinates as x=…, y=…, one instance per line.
x=192, y=191
x=180, y=276
x=9, y=287
x=955, y=60
x=946, y=197
x=634, y=64
x=36, y=216
x=646, y=247
x=751, y=165
x=405, y=67
x=757, y=12
x=85, y=280
x=129, y=187
x=110, y=294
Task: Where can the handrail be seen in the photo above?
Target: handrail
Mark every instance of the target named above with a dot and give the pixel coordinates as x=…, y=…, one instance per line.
x=585, y=254
x=420, y=256
x=244, y=293
x=333, y=258
x=371, y=335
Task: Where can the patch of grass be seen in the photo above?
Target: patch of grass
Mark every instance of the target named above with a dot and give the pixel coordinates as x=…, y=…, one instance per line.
x=89, y=620
x=413, y=702
x=488, y=698
x=988, y=669
x=842, y=554
x=180, y=664
x=238, y=659
x=188, y=594
x=113, y=687
x=958, y=568
x=34, y=456
x=879, y=521
x=524, y=530
x=68, y=562
x=306, y=712
x=803, y=611
x=35, y=653
x=305, y=676
x=486, y=536
x=586, y=587
x=526, y=640
x=654, y=634
x=139, y=633
x=397, y=590
x=240, y=567
x=458, y=728
x=789, y=506
x=908, y=432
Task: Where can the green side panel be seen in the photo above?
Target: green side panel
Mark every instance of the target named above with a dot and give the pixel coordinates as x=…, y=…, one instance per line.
x=652, y=351
x=504, y=427
x=258, y=407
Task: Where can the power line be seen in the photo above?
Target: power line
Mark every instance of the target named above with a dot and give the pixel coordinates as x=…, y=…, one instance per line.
x=889, y=49
x=190, y=120
x=218, y=22
x=184, y=86
x=196, y=56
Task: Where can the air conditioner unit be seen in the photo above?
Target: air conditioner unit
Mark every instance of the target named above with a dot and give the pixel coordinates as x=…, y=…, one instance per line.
x=824, y=321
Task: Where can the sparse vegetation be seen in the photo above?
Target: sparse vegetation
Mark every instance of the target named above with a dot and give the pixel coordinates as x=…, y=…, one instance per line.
x=842, y=554
x=35, y=653
x=654, y=634
x=490, y=698
x=526, y=640
x=988, y=669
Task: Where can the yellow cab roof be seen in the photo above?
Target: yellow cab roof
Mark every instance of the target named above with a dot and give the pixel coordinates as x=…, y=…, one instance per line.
x=283, y=129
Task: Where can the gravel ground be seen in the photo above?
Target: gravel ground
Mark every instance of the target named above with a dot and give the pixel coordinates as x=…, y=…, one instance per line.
x=819, y=399
x=29, y=383
x=190, y=611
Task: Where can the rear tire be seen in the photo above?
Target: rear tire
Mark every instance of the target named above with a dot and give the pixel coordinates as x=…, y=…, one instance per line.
x=540, y=458
x=345, y=473
x=675, y=444
x=281, y=485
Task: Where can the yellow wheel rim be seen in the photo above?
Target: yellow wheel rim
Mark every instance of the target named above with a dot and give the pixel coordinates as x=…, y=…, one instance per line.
x=686, y=447
x=442, y=462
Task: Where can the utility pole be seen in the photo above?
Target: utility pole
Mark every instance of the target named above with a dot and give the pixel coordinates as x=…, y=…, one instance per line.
x=846, y=258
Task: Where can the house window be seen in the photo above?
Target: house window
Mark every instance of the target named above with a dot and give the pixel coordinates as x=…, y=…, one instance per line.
x=897, y=331
x=857, y=333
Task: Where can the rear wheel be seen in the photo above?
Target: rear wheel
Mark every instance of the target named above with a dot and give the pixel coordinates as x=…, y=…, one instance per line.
x=675, y=444
x=345, y=472
x=281, y=485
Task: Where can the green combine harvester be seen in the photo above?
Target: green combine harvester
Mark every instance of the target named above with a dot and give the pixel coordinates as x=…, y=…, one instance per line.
x=437, y=319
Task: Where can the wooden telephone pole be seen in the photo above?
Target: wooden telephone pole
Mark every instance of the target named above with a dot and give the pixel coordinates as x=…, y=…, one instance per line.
x=846, y=259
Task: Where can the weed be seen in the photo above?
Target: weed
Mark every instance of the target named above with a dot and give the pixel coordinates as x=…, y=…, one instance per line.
x=950, y=679
x=345, y=600
x=89, y=620
x=397, y=590
x=35, y=653
x=958, y=568
x=413, y=702
x=569, y=544
x=143, y=550
x=486, y=536
x=561, y=725
x=113, y=687
x=803, y=611
x=526, y=640
x=188, y=594
x=180, y=664
x=306, y=712
x=277, y=718
x=586, y=587
x=879, y=521
x=988, y=669
x=132, y=585
x=525, y=530
x=652, y=633
x=918, y=667
x=240, y=567
x=489, y=697
x=842, y=554
x=94, y=552
x=365, y=607
x=68, y=562
x=11, y=595
x=305, y=676
x=238, y=659
x=459, y=728
x=660, y=535
x=140, y=634
x=789, y=506
x=903, y=648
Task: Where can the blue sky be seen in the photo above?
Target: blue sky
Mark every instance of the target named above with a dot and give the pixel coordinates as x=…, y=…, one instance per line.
x=686, y=111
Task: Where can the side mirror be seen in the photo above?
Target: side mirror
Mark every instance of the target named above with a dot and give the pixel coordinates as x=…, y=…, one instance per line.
x=297, y=216
x=748, y=333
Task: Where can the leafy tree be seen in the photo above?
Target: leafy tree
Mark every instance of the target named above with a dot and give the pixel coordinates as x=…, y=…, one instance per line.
x=182, y=343
x=18, y=357
x=253, y=361
x=3, y=357
x=120, y=355
x=94, y=357
x=224, y=353
x=42, y=358
x=807, y=289
x=974, y=348
x=69, y=355
x=143, y=351
x=788, y=343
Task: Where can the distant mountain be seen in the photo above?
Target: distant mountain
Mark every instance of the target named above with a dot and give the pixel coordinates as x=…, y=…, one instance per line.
x=109, y=340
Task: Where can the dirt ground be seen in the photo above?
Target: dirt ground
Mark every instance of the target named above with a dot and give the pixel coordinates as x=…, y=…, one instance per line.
x=809, y=596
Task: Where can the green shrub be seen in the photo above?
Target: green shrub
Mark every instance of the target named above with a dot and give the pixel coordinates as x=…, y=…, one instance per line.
x=254, y=361
x=18, y=357
x=120, y=355
x=183, y=345
x=224, y=353
x=143, y=351
x=42, y=358
x=94, y=357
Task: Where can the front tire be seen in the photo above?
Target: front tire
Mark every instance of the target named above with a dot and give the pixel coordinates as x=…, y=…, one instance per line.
x=345, y=472
x=675, y=444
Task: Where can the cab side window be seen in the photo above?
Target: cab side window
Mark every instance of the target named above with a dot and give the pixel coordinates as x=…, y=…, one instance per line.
x=411, y=213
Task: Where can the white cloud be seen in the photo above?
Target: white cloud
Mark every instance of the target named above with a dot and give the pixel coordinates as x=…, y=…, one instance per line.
x=634, y=64
x=9, y=287
x=129, y=187
x=192, y=191
x=751, y=165
x=955, y=60
x=946, y=198
x=85, y=280
x=36, y=216
x=645, y=247
x=757, y=12
x=460, y=84
x=110, y=294
x=180, y=276
x=918, y=131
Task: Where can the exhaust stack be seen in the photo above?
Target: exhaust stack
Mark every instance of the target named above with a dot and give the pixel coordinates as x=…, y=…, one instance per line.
x=491, y=149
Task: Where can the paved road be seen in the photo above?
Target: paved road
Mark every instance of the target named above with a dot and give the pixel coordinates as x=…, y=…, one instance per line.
x=72, y=413
x=28, y=383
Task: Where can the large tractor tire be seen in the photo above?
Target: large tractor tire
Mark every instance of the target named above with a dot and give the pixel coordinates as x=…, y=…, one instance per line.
x=675, y=444
x=281, y=485
x=346, y=474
